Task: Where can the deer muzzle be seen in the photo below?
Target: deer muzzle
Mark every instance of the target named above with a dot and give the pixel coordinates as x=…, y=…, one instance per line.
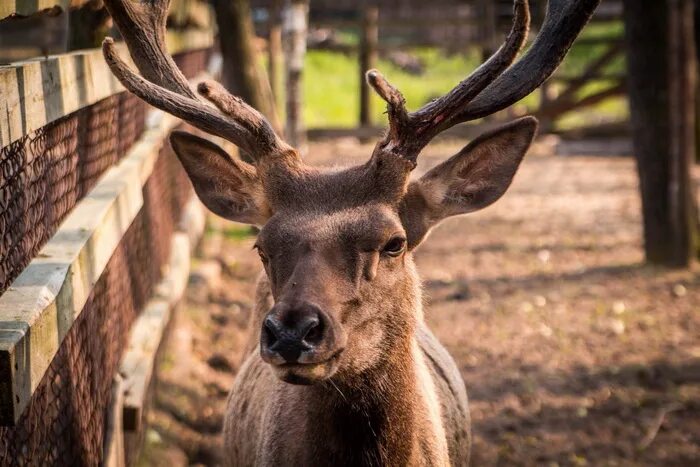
x=300, y=339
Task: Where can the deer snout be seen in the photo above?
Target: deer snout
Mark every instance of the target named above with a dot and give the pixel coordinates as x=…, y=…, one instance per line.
x=300, y=334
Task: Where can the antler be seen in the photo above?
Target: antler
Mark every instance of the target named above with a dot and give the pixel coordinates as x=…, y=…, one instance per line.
x=493, y=86
x=142, y=25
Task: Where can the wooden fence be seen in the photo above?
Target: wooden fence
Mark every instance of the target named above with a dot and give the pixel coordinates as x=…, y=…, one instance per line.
x=97, y=223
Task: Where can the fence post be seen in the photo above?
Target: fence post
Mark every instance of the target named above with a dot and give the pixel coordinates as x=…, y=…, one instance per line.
x=274, y=48
x=682, y=74
x=294, y=29
x=369, y=38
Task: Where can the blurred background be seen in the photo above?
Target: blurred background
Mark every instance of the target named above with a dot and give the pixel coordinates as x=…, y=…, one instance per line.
x=572, y=305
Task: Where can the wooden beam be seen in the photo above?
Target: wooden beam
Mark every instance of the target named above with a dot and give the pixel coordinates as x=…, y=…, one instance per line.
x=592, y=69
x=39, y=308
x=36, y=92
x=559, y=107
x=29, y=7
x=368, y=59
x=294, y=29
x=139, y=361
x=274, y=50
x=114, y=449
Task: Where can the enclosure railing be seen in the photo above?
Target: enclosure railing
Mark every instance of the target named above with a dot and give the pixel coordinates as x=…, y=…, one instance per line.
x=97, y=219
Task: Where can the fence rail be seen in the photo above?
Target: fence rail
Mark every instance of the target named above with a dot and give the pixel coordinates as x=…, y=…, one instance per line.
x=91, y=200
x=38, y=92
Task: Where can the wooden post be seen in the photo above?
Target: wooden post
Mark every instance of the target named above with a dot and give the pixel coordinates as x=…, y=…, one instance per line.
x=274, y=49
x=88, y=26
x=368, y=59
x=682, y=82
x=243, y=74
x=660, y=76
x=546, y=98
x=294, y=29
x=487, y=20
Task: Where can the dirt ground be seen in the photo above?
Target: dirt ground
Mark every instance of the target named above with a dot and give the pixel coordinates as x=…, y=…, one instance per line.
x=573, y=351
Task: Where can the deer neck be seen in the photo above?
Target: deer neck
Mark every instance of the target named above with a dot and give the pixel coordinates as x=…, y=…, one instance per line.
x=390, y=417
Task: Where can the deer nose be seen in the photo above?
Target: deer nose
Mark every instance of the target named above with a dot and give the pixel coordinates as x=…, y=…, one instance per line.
x=300, y=330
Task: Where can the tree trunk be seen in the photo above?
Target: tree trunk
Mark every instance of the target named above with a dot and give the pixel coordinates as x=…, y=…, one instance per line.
x=368, y=59
x=294, y=30
x=661, y=68
x=243, y=74
x=488, y=33
x=88, y=25
x=274, y=49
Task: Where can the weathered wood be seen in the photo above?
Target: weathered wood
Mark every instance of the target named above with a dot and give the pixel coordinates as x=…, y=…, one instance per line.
x=193, y=221
x=560, y=106
x=592, y=69
x=38, y=309
x=488, y=31
x=87, y=26
x=37, y=92
x=190, y=13
x=243, y=74
x=274, y=49
x=114, y=454
x=138, y=363
x=368, y=59
x=683, y=82
x=660, y=76
x=294, y=31
x=29, y=7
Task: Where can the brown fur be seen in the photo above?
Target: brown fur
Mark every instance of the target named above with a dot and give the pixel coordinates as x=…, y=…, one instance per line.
x=378, y=389
x=340, y=308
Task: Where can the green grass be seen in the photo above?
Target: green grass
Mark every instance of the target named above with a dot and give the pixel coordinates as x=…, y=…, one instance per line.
x=331, y=83
x=238, y=232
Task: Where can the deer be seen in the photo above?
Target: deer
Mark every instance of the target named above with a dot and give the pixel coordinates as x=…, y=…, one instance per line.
x=344, y=370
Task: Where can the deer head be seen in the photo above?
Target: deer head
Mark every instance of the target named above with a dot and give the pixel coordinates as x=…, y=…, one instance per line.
x=337, y=244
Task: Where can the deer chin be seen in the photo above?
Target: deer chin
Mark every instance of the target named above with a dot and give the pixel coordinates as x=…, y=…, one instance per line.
x=306, y=373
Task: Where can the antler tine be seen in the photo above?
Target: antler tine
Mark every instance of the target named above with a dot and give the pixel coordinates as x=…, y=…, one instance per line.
x=563, y=22
x=438, y=112
x=495, y=85
x=192, y=110
x=396, y=103
x=412, y=131
x=142, y=25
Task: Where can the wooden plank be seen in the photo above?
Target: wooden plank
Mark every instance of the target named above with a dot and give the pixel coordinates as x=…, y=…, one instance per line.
x=138, y=364
x=37, y=92
x=114, y=449
x=38, y=309
x=193, y=221
x=28, y=7
x=369, y=39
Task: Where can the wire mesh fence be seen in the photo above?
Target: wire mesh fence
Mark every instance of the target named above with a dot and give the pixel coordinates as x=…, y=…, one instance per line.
x=44, y=174
x=42, y=177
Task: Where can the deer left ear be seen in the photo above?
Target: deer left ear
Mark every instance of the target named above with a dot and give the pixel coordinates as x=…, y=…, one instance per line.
x=228, y=187
x=470, y=180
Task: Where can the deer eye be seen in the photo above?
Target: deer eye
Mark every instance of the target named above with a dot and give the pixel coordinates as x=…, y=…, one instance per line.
x=263, y=256
x=394, y=247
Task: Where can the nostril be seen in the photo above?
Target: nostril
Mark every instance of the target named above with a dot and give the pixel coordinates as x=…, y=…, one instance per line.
x=314, y=332
x=270, y=330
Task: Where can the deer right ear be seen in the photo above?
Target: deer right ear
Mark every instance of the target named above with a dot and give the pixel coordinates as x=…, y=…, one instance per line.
x=229, y=188
x=468, y=181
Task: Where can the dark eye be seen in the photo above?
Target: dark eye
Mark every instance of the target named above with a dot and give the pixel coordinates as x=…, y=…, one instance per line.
x=394, y=247
x=262, y=255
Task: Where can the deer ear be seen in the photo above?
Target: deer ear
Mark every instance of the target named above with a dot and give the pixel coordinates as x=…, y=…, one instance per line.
x=468, y=181
x=228, y=187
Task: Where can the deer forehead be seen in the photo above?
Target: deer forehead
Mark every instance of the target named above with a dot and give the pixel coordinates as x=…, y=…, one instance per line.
x=364, y=227
x=332, y=189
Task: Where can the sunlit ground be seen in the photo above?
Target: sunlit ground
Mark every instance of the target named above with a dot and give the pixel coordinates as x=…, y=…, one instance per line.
x=573, y=352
